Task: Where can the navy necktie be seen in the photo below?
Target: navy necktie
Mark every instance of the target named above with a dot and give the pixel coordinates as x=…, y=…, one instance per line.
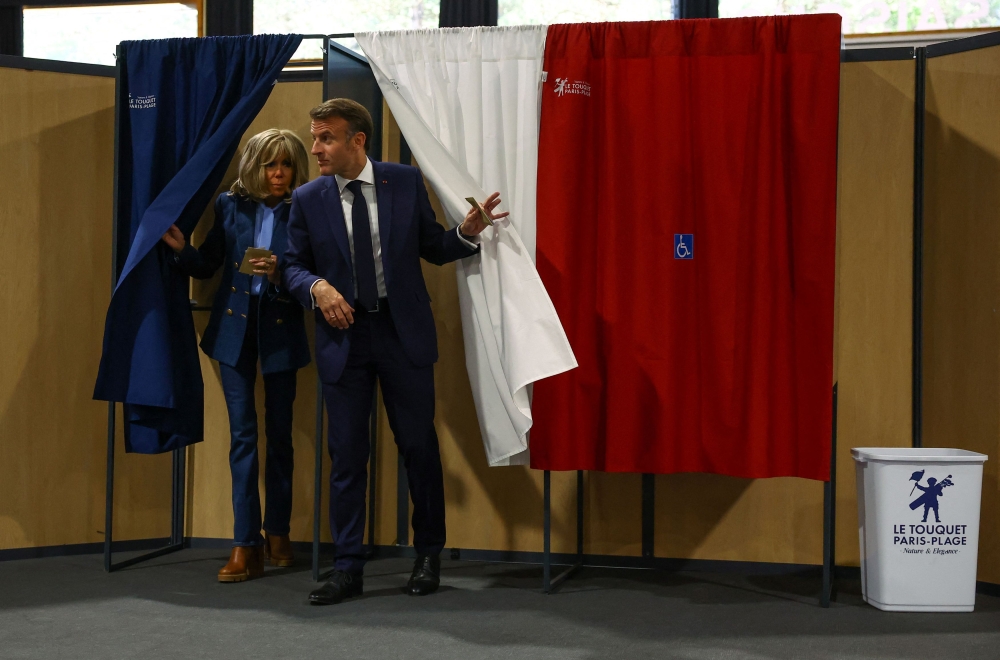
x=364, y=255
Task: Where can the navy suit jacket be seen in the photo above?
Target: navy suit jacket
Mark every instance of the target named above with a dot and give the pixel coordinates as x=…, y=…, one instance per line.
x=408, y=231
x=281, y=339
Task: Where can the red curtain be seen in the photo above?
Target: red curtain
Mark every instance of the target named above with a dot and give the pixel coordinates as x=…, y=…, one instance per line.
x=686, y=233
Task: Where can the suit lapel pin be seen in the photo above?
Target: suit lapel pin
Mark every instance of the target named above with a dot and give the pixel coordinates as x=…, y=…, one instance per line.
x=384, y=181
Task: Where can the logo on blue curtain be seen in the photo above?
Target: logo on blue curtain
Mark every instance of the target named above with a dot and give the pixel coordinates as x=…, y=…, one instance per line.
x=683, y=246
x=929, y=538
x=141, y=102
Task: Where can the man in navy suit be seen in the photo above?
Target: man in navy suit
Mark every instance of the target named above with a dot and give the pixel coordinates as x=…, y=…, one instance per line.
x=355, y=239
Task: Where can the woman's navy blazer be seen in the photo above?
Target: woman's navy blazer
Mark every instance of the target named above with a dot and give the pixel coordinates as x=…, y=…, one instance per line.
x=281, y=339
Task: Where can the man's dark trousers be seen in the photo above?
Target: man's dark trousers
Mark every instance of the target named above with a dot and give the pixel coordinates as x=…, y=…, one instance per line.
x=408, y=395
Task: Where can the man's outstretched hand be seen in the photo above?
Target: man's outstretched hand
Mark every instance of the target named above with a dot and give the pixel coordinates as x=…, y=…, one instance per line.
x=473, y=225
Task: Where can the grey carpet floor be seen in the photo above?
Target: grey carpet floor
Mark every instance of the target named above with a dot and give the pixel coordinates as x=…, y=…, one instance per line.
x=172, y=607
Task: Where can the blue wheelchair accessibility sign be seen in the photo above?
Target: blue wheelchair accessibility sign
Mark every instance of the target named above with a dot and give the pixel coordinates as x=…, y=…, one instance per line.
x=683, y=246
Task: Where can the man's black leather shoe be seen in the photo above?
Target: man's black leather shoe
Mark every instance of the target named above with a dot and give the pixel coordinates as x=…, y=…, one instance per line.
x=426, y=575
x=341, y=585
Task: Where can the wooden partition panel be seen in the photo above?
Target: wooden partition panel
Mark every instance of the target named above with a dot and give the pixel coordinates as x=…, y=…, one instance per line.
x=57, y=138
x=874, y=275
x=209, y=483
x=961, y=349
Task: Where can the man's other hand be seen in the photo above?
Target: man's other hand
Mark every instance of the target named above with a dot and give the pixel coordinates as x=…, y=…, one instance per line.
x=335, y=309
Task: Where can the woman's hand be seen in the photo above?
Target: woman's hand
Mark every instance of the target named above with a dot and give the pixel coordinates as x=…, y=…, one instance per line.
x=268, y=266
x=174, y=239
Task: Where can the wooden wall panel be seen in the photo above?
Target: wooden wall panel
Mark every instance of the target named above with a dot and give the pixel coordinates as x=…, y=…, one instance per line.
x=875, y=266
x=57, y=137
x=961, y=356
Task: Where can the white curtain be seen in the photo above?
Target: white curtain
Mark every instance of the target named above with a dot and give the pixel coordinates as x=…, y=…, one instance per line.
x=467, y=102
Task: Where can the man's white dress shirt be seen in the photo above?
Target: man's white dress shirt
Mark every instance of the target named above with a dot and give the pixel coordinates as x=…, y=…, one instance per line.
x=367, y=179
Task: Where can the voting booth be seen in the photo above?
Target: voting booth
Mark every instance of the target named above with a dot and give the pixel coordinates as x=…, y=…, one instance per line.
x=256, y=90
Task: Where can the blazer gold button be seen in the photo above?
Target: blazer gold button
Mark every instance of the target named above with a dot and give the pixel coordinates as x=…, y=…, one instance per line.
x=236, y=264
x=229, y=311
x=280, y=321
x=234, y=289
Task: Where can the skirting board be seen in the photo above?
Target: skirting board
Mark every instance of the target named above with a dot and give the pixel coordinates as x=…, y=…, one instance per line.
x=41, y=552
x=304, y=549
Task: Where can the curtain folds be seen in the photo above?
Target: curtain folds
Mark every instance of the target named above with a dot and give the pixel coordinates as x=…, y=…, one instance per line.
x=190, y=101
x=687, y=183
x=466, y=101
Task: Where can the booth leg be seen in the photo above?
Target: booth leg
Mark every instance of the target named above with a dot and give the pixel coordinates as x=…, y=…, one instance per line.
x=176, y=541
x=402, y=504
x=579, y=517
x=648, y=514
x=177, y=513
x=317, y=478
x=372, y=473
x=547, y=532
x=830, y=517
x=109, y=488
x=824, y=599
x=550, y=583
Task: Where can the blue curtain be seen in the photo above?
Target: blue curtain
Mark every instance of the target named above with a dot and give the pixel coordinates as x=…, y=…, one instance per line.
x=190, y=101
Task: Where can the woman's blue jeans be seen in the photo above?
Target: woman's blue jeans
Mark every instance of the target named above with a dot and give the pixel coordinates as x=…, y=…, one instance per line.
x=238, y=385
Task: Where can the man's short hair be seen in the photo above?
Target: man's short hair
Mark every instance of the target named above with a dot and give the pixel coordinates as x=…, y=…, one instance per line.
x=356, y=115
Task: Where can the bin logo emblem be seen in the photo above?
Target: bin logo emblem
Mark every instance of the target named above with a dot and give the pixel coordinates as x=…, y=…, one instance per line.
x=930, y=493
x=929, y=537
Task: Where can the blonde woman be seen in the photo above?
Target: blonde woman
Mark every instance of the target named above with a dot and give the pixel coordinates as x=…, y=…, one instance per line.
x=253, y=320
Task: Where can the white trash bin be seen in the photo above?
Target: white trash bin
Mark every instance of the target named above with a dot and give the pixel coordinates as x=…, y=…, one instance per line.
x=918, y=519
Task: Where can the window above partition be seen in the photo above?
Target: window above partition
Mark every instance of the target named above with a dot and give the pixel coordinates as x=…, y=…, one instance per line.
x=535, y=12
x=879, y=16
x=90, y=33
x=328, y=17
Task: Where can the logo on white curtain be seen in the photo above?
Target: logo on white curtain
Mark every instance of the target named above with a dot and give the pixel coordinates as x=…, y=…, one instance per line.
x=564, y=86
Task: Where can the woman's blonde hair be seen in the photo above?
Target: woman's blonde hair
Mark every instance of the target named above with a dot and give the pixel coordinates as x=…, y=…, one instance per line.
x=264, y=148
